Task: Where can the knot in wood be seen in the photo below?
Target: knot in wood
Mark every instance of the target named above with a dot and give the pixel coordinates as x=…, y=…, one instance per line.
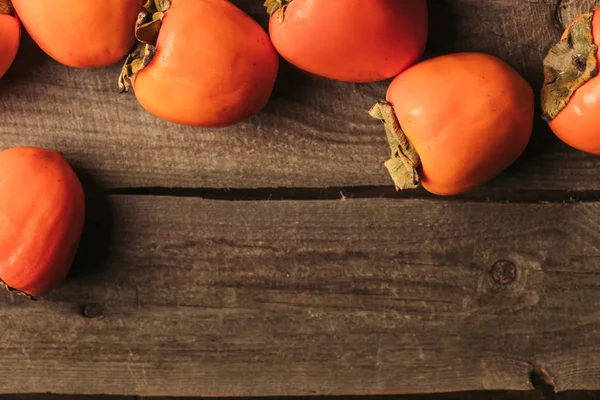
x=92, y=311
x=504, y=272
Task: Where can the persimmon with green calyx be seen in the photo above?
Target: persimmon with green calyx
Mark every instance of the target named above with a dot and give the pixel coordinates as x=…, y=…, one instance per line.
x=81, y=33
x=349, y=40
x=570, y=96
x=200, y=63
x=455, y=122
x=42, y=212
x=10, y=36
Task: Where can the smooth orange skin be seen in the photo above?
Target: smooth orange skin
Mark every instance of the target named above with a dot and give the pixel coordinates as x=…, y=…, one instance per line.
x=468, y=115
x=10, y=38
x=214, y=66
x=578, y=124
x=352, y=40
x=81, y=33
x=42, y=211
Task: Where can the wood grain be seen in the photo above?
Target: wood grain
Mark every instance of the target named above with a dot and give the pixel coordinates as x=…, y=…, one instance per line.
x=195, y=297
x=203, y=298
x=535, y=395
x=313, y=134
x=568, y=10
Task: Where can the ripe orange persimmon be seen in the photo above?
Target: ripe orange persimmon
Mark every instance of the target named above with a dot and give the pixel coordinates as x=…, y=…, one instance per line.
x=10, y=36
x=200, y=63
x=42, y=212
x=571, y=91
x=456, y=121
x=81, y=33
x=349, y=40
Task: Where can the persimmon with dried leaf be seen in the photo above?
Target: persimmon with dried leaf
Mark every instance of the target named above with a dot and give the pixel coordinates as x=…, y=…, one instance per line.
x=455, y=122
x=10, y=36
x=349, y=40
x=42, y=212
x=571, y=92
x=201, y=63
x=81, y=33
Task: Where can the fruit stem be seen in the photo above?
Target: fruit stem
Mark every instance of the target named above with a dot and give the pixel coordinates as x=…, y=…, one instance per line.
x=568, y=66
x=6, y=7
x=277, y=8
x=147, y=29
x=404, y=162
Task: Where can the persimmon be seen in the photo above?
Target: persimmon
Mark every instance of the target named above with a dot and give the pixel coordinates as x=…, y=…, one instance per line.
x=42, y=211
x=81, y=33
x=200, y=63
x=349, y=40
x=571, y=92
x=10, y=36
x=456, y=121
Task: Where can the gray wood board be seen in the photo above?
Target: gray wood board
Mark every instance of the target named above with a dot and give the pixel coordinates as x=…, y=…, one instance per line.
x=534, y=395
x=205, y=298
x=314, y=133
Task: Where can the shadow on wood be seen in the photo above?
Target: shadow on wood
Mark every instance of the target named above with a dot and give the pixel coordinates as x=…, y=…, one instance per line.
x=29, y=58
x=292, y=84
x=95, y=241
x=443, y=32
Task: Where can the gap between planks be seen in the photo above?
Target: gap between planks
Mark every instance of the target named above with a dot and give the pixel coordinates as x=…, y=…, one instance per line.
x=481, y=195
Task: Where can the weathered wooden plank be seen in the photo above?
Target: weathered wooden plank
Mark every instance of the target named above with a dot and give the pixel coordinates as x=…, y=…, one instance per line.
x=314, y=133
x=205, y=297
x=568, y=10
x=534, y=395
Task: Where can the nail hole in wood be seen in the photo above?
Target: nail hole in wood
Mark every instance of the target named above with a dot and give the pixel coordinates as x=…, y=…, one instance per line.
x=542, y=379
x=504, y=272
x=92, y=312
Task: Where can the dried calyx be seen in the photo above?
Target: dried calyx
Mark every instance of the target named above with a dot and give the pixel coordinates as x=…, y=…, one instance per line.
x=147, y=29
x=568, y=66
x=5, y=286
x=6, y=7
x=404, y=162
x=277, y=8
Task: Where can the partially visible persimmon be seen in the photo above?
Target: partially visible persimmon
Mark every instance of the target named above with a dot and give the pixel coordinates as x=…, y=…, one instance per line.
x=10, y=36
x=571, y=91
x=456, y=121
x=81, y=33
x=42, y=212
x=349, y=40
x=200, y=63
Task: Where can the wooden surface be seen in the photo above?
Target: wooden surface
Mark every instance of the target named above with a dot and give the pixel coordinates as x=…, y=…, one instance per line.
x=317, y=297
x=504, y=395
x=273, y=258
x=314, y=133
